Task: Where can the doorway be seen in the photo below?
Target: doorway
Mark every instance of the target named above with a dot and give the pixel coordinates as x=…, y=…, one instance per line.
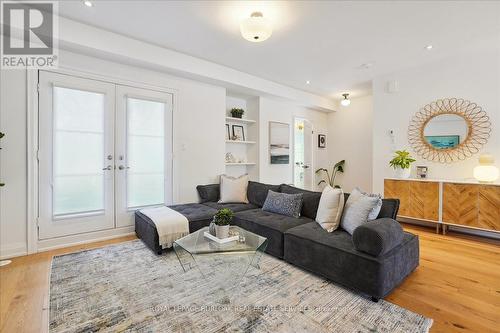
x=105, y=150
x=303, y=156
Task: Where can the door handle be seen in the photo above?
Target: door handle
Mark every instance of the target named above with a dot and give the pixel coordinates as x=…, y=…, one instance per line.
x=107, y=168
x=305, y=166
x=122, y=167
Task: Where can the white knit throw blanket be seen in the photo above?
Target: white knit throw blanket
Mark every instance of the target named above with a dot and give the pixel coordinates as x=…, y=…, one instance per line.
x=171, y=225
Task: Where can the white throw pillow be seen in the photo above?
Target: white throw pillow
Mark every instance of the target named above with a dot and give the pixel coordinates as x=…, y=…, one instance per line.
x=233, y=190
x=330, y=208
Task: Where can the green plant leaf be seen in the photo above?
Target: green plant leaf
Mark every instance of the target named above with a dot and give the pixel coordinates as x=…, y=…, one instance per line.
x=339, y=164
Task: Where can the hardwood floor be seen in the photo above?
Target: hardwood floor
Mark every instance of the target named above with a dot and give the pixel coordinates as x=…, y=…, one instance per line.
x=457, y=284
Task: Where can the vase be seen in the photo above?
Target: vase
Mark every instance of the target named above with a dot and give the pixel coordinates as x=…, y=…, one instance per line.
x=237, y=115
x=211, y=228
x=402, y=173
x=222, y=231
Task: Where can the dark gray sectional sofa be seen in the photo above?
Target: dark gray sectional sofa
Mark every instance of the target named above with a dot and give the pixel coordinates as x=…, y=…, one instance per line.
x=373, y=261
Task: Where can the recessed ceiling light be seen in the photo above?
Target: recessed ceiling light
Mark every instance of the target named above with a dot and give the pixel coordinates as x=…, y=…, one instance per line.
x=428, y=47
x=308, y=82
x=88, y=3
x=346, y=101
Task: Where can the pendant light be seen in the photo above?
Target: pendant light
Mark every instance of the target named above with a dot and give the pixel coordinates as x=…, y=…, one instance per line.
x=346, y=101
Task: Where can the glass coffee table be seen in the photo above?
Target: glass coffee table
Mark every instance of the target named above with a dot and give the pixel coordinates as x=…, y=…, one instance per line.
x=222, y=262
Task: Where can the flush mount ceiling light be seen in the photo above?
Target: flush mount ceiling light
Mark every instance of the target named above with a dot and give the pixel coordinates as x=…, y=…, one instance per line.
x=346, y=101
x=428, y=47
x=256, y=28
x=88, y=3
x=308, y=82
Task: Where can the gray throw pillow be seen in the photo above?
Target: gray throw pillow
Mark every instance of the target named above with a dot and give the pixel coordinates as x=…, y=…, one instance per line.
x=284, y=204
x=356, y=211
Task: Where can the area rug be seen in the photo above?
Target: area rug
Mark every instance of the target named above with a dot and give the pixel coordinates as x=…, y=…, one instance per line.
x=128, y=288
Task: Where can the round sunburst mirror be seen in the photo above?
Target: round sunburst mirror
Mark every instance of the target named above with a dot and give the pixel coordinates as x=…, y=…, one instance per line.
x=449, y=130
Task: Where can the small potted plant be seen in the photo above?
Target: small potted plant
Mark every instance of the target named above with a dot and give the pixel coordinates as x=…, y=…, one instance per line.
x=401, y=164
x=222, y=220
x=237, y=113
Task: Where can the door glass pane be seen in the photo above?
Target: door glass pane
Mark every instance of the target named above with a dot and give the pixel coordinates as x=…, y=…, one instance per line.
x=145, y=152
x=78, y=151
x=299, y=154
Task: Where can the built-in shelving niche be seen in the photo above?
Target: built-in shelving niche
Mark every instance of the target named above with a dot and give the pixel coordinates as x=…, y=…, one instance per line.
x=245, y=151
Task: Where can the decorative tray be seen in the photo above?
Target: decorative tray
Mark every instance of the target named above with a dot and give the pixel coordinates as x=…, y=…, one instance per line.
x=219, y=240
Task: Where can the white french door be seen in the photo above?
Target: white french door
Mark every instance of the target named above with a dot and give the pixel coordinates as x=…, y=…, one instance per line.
x=104, y=151
x=143, y=151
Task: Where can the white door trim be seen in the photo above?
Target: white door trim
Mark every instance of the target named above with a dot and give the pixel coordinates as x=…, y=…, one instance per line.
x=311, y=167
x=32, y=159
x=32, y=140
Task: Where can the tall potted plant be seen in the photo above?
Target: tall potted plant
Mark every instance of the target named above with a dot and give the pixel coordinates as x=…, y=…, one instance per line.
x=222, y=220
x=401, y=164
x=330, y=180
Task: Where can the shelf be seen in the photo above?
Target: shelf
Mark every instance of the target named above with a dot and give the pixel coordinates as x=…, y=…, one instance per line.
x=240, y=120
x=244, y=142
x=246, y=163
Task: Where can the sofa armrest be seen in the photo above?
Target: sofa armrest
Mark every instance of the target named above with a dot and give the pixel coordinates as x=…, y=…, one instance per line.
x=378, y=237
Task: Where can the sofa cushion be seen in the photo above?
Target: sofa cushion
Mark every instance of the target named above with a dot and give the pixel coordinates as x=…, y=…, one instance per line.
x=283, y=203
x=378, y=237
x=334, y=256
x=310, y=200
x=269, y=225
x=209, y=192
x=198, y=215
x=235, y=207
x=257, y=192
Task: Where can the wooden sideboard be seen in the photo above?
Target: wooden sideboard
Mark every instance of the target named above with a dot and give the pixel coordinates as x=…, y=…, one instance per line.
x=464, y=204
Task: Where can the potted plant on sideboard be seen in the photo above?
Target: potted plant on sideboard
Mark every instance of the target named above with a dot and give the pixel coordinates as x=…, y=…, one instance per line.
x=237, y=113
x=222, y=220
x=401, y=164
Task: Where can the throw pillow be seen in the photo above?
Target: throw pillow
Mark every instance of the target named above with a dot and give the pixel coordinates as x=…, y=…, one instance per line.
x=233, y=190
x=208, y=192
x=284, y=204
x=330, y=208
x=376, y=210
x=356, y=211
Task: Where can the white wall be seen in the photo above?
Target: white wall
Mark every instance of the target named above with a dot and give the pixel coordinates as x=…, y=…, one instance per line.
x=474, y=76
x=13, y=196
x=283, y=111
x=350, y=139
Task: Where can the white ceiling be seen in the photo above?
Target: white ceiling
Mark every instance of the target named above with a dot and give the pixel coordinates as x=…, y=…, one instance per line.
x=321, y=41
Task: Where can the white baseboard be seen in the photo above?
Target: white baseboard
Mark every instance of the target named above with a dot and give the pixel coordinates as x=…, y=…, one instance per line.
x=60, y=242
x=13, y=250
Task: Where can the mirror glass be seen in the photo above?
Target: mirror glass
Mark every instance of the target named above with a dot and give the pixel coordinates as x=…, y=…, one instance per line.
x=446, y=131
